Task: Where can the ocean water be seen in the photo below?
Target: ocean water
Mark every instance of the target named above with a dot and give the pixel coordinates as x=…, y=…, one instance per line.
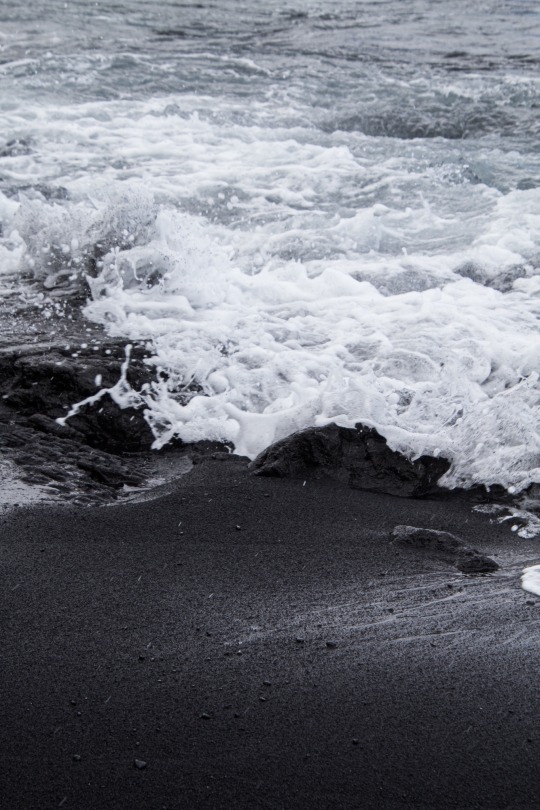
x=311, y=212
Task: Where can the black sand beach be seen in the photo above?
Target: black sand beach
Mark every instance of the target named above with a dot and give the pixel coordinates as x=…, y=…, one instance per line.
x=248, y=642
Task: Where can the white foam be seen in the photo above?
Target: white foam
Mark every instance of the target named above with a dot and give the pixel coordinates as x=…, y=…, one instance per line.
x=530, y=580
x=447, y=370
x=298, y=277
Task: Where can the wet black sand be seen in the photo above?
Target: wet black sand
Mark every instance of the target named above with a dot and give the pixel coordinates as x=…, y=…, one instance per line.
x=260, y=643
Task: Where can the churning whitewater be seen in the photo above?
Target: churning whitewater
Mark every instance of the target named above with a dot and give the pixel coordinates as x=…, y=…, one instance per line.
x=310, y=214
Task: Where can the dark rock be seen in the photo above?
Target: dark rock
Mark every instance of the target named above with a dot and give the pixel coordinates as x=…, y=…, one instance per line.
x=110, y=473
x=45, y=383
x=472, y=562
x=48, y=425
x=77, y=757
x=331, y=645
x=446, y=547
x=107, y=426
x=222, y=456
x=358, y=456
x=219, y=451
x=140, y=764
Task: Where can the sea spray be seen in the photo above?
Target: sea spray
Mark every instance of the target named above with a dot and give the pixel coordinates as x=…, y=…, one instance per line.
x=311, y=219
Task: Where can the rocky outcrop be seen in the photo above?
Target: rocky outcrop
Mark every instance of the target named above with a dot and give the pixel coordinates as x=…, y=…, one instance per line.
x=99, y=450
x=444, y=546
x=358, y=456
x=43, y=384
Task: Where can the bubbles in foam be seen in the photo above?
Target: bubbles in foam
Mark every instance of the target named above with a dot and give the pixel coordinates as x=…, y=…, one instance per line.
x=447, y=370
x=286, y=275
x=64, y=243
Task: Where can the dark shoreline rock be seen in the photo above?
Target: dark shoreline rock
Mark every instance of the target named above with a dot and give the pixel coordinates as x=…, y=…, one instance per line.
x=41, y=381
x=358, y=456
x=99, y=450
x=46, y=382
x=444, y=546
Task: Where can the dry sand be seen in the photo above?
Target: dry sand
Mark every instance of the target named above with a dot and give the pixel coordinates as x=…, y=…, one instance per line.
x=261, y=643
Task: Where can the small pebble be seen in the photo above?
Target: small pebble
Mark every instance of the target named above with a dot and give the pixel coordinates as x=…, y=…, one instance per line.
x=205, y=716
x=76, y=757
x=355, y=740
x=140, y=764
x=300, y=639
x=331, y=644
x=530, y=602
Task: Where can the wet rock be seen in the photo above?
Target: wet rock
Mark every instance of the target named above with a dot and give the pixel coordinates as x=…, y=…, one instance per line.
x=470, y=561
x=444, y=546
x=48, y=425
x=44, y=384
x=358, y=456
x=111, y=473
x=107, y=426
x=219, y=451
x=51, y=472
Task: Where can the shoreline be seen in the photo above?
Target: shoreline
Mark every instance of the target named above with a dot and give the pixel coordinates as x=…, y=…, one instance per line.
x=258, y=642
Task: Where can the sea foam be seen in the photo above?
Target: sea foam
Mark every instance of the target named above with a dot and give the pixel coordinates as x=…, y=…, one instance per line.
x=285, y=275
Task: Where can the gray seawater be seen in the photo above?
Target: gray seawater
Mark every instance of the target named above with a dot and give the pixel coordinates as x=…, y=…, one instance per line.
x=317, y=211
